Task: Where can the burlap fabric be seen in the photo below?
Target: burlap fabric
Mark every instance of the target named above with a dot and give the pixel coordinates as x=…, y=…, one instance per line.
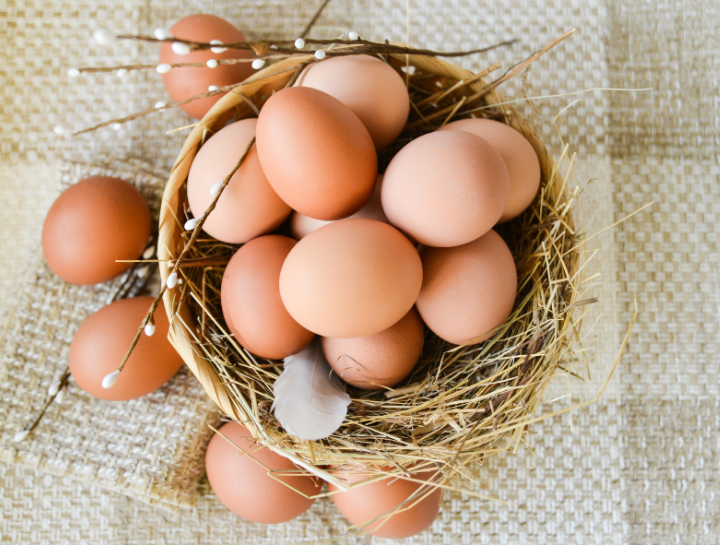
x=642, y=465
x=149, y=448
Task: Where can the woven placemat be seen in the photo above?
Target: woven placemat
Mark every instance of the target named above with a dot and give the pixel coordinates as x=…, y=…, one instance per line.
x=545, y=505
x=81, y=102
x=642, y=466
x=149, y=448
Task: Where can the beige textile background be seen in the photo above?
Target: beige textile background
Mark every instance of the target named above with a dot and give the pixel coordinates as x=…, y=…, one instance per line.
x=642, y=465
x=149, y=448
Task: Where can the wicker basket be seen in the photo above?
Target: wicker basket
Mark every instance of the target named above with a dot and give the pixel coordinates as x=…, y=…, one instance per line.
x=460, y=404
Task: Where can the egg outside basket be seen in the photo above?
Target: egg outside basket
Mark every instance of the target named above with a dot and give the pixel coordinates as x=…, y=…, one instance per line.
x=460, y=404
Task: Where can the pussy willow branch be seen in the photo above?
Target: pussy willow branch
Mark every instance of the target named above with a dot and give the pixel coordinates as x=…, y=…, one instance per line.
x=176, y=265
x=130, y=117
x=284, y=53
x=129, y=67
x=364, y=47
x=287, y=46
x=312, y=21
x=62, y=381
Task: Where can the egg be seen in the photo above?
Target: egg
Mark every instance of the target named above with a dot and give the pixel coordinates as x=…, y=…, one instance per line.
x=316, y=153
x=378, y=360
x=369, y=87
x=519, y=156
x=351, y=278
x=445, y=188
x=248, y=206
x=467, y=290
x=182, y=83
x=102, y=341
x=391, y=507
x=239, y=476
x=251, y=303
x=301, y=225
x=92, y=224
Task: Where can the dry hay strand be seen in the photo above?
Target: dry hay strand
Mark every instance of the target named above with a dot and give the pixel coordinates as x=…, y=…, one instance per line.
x=460, y=404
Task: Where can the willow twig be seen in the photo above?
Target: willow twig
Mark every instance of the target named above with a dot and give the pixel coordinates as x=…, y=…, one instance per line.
x=287, y=46
x=60, y=383
x=315, y=17
x=196, y=232
x=130, y=117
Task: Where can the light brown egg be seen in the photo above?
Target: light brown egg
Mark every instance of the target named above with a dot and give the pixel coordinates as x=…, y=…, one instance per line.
x=519, y=156
x=445, y=188
x=369, y=87
x=378, y=360
x=373, y=507
x=184, y=82
x=92, y=224
x=467, y=290
x=301, y=225
x=243, y=485
x=316, y=153
x=249, y=206
x=351, y=278
x=251, y=301
x=102, y=341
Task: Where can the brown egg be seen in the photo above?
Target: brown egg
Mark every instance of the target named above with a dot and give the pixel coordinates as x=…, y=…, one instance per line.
x=467, y=290
x=301, y=225
x=378, y=360
x=238, y=474
x=102, y=341
x=369, y=506
x=519, y=156
x=185, y=82
x=249, y=206
x=92, y=224
x=316, y=153
x=251, y=301
x=369, y=87
x=351, y=278
x=445, y=188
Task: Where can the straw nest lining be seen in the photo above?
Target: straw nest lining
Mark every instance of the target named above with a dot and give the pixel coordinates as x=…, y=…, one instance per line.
x=460, y=403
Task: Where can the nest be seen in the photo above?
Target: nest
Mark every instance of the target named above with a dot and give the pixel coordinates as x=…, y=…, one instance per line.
x=460, y=404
